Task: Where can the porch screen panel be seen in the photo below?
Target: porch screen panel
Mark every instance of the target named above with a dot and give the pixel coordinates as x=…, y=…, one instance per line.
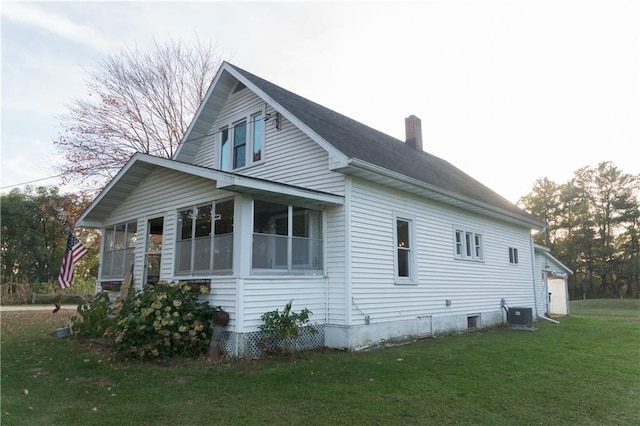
x=223, y=236
x=307, y=239
x=107, y=264
x=202, y=240
x=287, y=237
x=183, y=245
x=205, y=239
x=270, y=238
x=107, y=255
x=119, y=250
x=118, y=253
x=131, y=237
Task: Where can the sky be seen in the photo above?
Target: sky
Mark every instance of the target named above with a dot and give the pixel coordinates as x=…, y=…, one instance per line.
x=508, y=91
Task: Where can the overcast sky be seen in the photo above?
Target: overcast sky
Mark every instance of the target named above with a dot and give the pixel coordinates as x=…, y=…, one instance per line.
x=508, y=91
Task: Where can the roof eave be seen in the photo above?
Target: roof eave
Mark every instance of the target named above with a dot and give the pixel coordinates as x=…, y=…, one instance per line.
x=433, y=192
x=546, y=252
x=140, y=160
x=223, y=180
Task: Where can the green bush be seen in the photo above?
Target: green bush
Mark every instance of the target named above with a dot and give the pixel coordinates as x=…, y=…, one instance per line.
x=80, y=286
x=161, y=321
x=94, y=317
x=280, y=329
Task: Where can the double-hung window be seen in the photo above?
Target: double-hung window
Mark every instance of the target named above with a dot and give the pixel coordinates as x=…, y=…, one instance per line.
x=468, y=245
x=286, y=238
x=205, y=239
x=241, y=142
x=404, y=255
x=119, y=245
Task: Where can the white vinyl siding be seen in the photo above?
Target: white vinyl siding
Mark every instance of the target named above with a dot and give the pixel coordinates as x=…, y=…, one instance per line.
x=288, y=155
x=471, y=286
x=336, y=265
x=263, y=294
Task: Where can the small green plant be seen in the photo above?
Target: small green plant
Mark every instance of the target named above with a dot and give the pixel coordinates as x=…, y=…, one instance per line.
x=94, y=317
x=281, y=327
x=162, y=321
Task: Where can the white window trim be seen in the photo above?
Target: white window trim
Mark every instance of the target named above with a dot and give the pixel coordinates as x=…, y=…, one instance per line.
x=229, y=124
x=469, y=249
x=413, y=264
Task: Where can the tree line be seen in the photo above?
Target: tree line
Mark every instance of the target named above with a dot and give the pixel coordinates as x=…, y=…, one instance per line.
x=35, y=224
x=593, y=228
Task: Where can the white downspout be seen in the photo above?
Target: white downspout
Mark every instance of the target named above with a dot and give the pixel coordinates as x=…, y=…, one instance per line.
x=534, y=273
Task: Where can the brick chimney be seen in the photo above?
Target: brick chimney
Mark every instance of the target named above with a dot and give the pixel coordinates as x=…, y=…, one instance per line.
x=413, y=131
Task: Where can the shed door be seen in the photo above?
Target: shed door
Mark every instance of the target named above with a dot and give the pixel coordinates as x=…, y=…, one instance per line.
x=558, y=290
x=153, y=255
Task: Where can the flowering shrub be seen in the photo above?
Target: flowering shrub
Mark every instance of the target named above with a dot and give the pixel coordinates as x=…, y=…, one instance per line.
x=161, y=321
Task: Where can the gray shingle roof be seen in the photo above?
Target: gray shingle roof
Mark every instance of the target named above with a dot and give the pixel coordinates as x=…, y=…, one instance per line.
x=358, y=141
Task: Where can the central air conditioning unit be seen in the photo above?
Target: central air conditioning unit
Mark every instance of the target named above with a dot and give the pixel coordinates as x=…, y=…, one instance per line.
x=520, y=318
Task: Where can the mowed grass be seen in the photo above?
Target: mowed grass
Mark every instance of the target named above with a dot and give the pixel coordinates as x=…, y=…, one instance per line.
x=585, y=370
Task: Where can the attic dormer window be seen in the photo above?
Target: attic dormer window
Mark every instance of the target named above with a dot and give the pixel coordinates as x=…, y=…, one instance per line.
x=241, y=143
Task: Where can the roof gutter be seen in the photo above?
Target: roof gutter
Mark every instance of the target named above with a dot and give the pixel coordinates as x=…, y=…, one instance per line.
x=511, y=217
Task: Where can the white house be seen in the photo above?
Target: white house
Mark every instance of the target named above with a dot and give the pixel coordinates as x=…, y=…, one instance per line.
x=272, y=197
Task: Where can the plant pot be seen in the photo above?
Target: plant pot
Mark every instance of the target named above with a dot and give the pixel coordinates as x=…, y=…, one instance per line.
x=221, y=318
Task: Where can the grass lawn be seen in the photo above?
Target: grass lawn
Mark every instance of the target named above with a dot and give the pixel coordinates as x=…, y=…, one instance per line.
x=585, y=371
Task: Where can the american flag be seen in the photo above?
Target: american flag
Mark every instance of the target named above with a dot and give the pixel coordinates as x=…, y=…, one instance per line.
x=75, y=251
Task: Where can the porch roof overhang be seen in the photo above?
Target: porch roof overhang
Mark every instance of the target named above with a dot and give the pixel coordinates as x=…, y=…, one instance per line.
x=141, y=165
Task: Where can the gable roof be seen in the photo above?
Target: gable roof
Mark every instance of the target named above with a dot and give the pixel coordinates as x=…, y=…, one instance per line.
x=362, y=150
x=140, y=166
x=551, y=261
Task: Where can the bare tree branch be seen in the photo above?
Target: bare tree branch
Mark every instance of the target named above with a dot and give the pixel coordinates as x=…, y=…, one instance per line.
x=137, y=102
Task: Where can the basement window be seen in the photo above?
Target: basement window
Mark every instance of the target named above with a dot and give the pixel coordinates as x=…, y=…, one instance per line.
x=473, y=321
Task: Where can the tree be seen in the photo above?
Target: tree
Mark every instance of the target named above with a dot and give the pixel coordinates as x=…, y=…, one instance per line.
x=544, y=202
x=137, y=102
x=594, y=225
x=35, y=226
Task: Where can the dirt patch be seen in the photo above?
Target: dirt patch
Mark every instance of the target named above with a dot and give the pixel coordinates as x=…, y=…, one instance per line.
x=105, y=383
x=181, y=380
